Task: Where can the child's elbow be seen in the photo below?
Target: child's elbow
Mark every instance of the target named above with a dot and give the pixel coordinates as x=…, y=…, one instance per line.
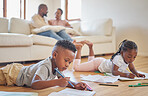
x=33, y=86
x=115, y=73
x=76, y=68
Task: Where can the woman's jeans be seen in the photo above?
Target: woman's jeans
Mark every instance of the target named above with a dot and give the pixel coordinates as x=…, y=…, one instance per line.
x=61, y=35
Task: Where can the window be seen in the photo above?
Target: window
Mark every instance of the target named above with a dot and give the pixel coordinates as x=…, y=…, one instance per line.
x=12, y=8
x=1, y=8
x=72, y=9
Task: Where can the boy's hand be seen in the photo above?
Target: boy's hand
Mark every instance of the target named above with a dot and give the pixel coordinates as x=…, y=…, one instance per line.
x=63, y=82
x=130, y=75
x=140, y=75
x=81, y=86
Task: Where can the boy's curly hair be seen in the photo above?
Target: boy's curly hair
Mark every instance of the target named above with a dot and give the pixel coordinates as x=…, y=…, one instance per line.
x=66, y=45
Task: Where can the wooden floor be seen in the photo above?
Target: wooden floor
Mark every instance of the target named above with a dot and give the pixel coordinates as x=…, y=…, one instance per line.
x=141, y=64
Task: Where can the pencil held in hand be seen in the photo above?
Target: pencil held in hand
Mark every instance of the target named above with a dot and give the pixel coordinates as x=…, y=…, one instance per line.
x=89, y=88
x=64, y=77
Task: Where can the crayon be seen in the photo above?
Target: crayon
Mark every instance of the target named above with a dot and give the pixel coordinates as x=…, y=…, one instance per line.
x=136, y=85
x=106, y=74
x=142, y=83
x=109, y=85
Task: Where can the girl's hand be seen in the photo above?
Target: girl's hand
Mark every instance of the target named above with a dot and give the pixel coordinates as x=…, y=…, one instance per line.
x=140, y=75
x=81, y=86
x=130, y=75
x=63, y=82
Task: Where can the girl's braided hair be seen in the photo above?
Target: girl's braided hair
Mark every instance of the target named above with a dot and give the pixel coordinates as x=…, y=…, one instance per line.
x=124, y=46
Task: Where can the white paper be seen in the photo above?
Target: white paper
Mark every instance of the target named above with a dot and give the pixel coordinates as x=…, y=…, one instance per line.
x=72, y=92
x=100, y=78
x=136, y=78
x=4, y=93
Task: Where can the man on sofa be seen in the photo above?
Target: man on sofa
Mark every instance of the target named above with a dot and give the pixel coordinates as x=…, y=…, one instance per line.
x=39, y=21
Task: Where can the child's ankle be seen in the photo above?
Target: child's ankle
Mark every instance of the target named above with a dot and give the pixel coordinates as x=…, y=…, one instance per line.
x=90, y=46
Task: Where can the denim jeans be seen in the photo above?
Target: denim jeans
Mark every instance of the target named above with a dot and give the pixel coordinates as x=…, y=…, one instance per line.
x=61, y=35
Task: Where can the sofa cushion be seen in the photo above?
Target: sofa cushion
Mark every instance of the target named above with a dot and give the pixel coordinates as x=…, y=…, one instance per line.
x=12, y=39
x=42, y=40
x=73, y=32
x=46, y=28
x=97, y=27
x=75, y=25
x=19, y=26
x=3, y=25
x=94, y=39
x=56, y=29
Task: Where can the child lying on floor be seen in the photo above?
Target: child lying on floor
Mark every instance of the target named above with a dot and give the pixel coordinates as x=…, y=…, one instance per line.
x=117, y=64
x=42, y=75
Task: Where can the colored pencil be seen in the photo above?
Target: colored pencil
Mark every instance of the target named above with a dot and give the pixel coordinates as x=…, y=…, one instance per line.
x=109, y=85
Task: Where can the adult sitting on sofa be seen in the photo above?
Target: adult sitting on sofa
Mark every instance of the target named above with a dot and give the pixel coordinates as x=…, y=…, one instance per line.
x=58, y=21
x=39, y=21
x=17, y=43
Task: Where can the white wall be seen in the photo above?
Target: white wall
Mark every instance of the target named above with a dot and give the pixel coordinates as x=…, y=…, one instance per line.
x=32, y=7
x=130, y=17
x=56, y=4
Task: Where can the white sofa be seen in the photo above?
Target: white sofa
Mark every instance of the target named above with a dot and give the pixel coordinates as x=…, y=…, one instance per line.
x=17, y=44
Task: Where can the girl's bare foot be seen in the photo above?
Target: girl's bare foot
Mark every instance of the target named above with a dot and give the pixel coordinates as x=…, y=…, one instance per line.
x=88, y=43
x=74, y=41
x=78, y=45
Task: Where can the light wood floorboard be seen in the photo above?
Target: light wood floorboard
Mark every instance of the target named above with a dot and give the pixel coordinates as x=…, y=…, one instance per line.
x=141, y=64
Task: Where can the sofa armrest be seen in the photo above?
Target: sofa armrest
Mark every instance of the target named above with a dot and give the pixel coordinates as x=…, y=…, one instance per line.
x=75, y=25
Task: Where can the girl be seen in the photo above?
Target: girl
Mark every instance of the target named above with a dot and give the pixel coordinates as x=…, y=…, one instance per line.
x=117, y=64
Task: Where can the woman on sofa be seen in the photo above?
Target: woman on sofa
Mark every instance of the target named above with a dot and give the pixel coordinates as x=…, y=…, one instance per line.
x=39, y=21
x=58, y=21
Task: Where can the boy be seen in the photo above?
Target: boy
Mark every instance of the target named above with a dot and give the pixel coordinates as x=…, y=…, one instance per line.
x=42, y=74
